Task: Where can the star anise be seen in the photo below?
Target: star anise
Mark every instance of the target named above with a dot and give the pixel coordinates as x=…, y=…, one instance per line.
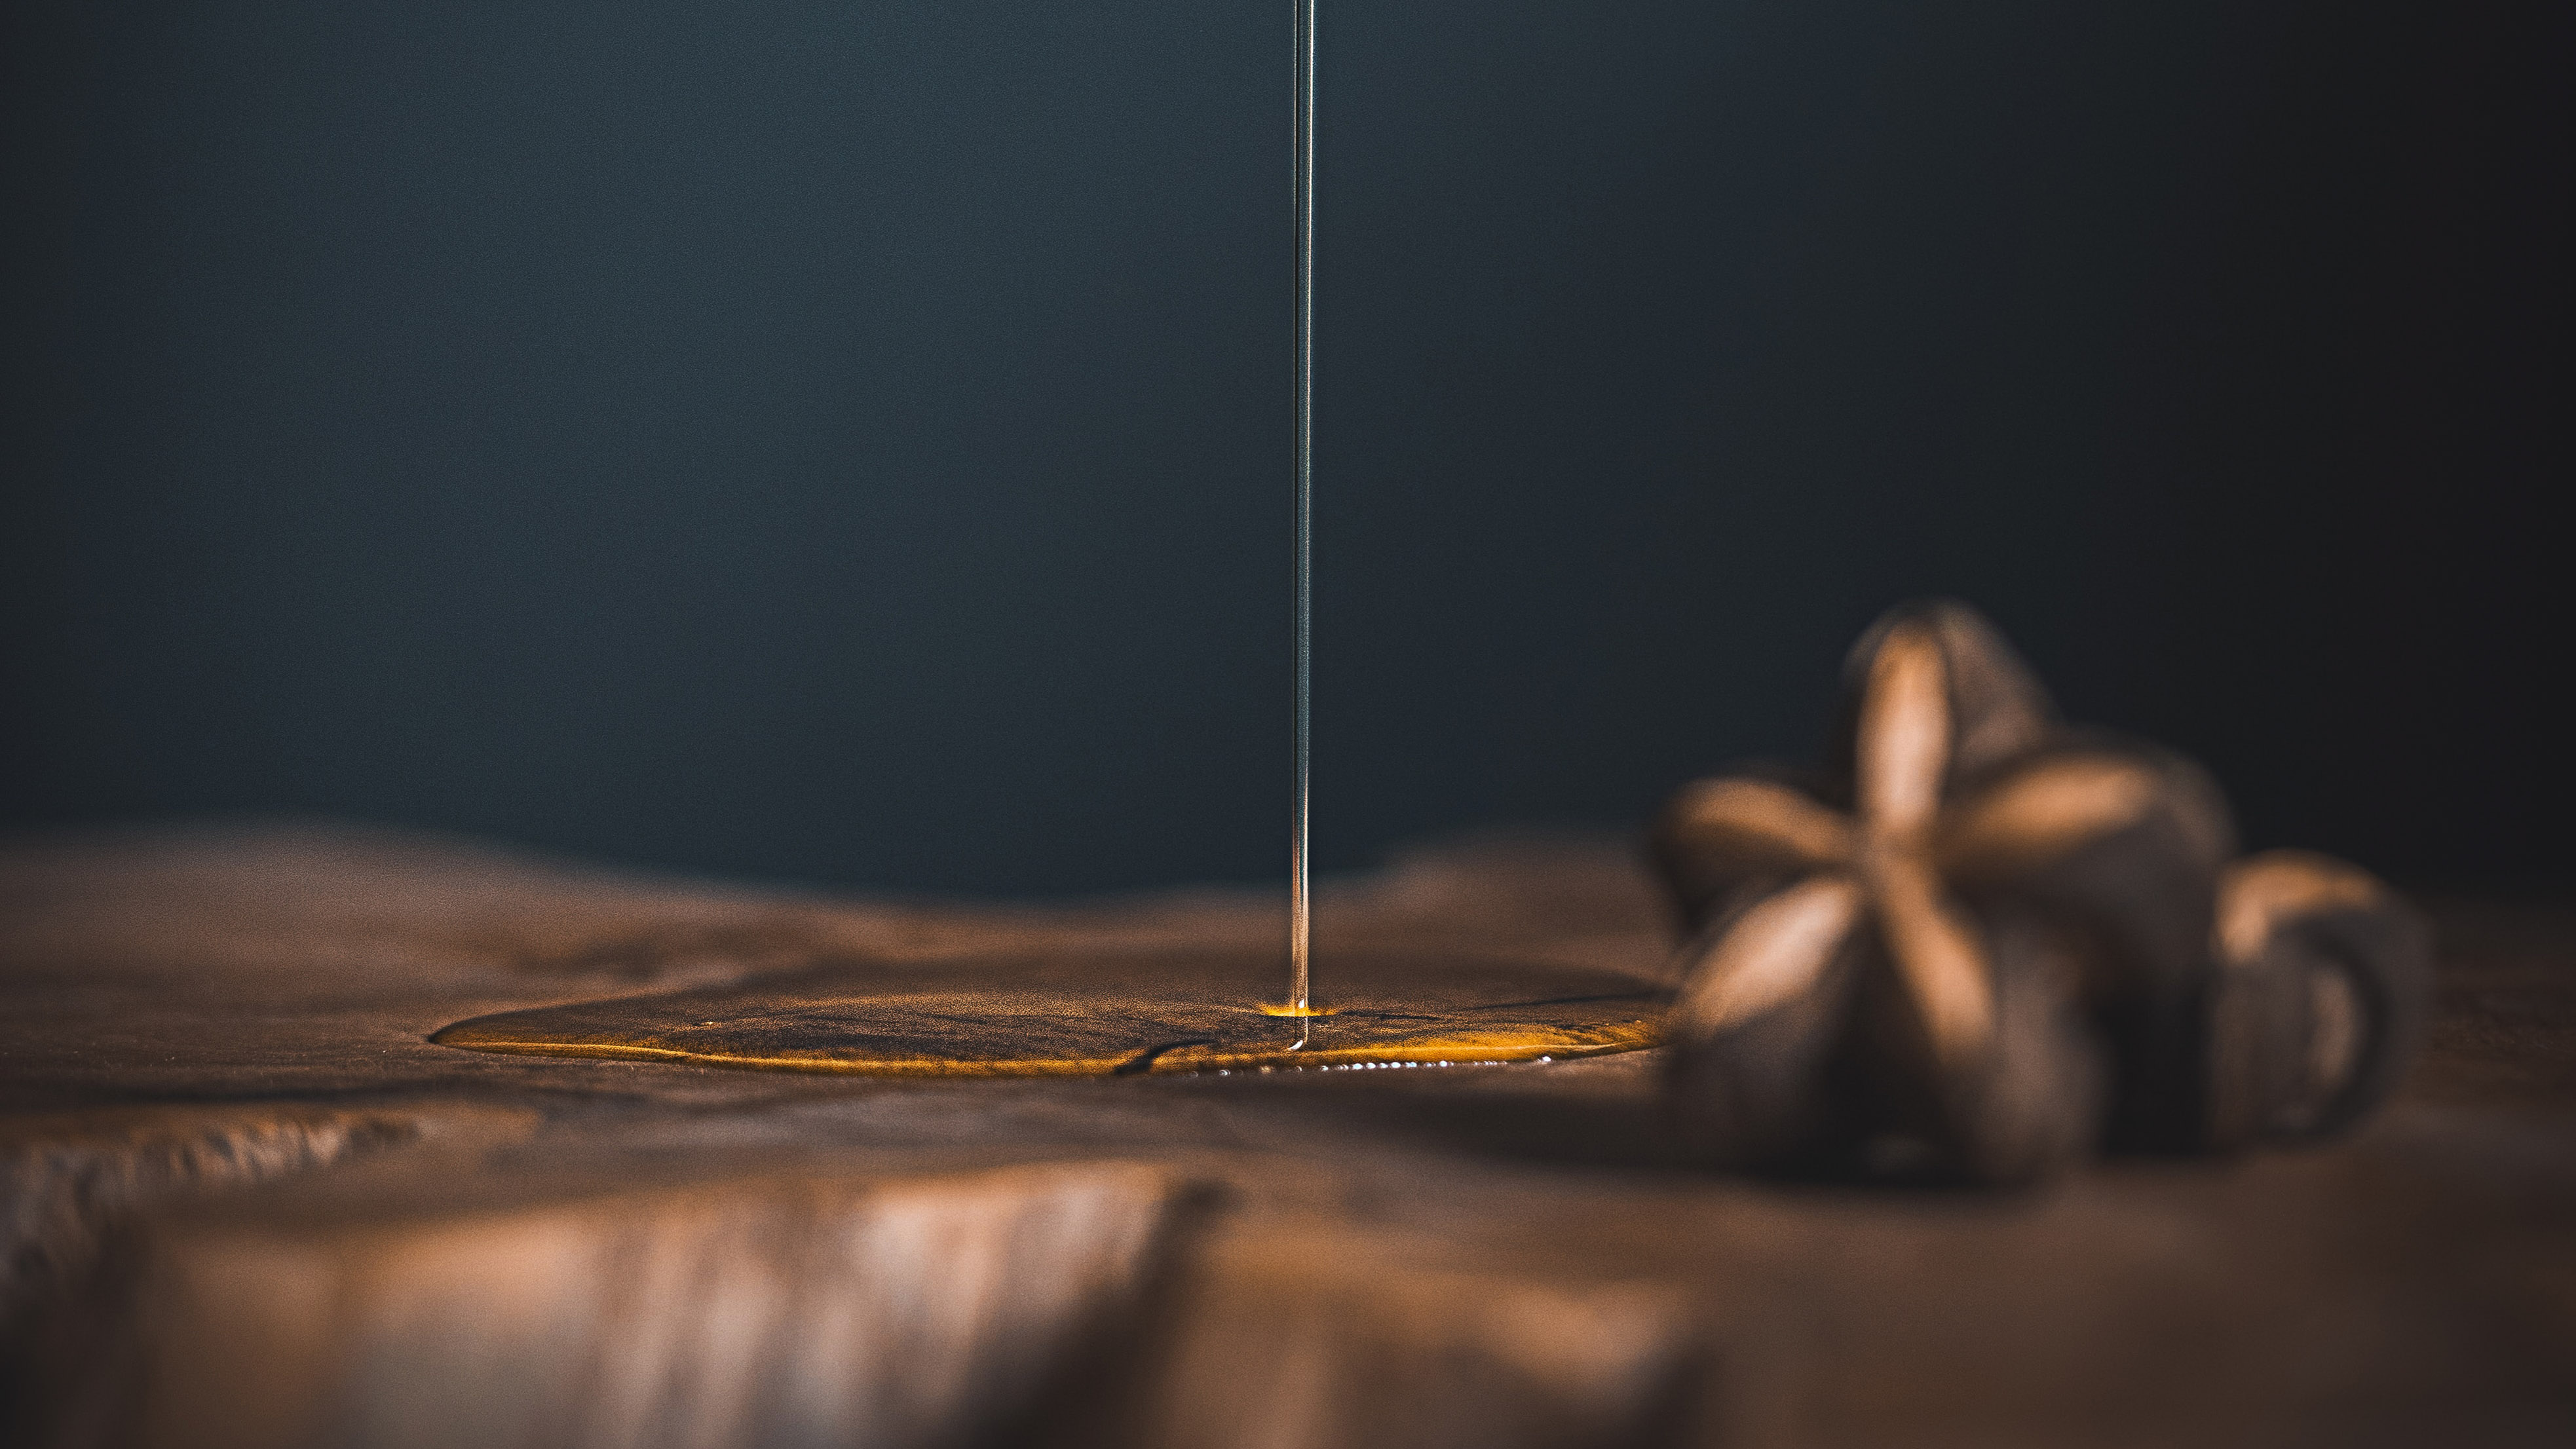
x=2008, y=941
x=2323, y=980
x=1982, y=933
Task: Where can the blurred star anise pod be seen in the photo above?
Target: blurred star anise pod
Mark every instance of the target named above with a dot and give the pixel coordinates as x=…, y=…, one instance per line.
x=1990, y=940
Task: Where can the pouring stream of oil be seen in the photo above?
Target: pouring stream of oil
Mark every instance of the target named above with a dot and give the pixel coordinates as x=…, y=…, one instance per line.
x=1049, y=1016
x=1300, y=907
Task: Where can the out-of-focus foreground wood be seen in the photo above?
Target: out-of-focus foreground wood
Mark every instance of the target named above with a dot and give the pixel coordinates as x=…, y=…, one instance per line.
x=248, y=1202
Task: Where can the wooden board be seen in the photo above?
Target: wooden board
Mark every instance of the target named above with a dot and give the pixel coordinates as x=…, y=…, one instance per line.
x=246, y=1200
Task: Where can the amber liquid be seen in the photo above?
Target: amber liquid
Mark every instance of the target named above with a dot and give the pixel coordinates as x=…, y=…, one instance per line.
x=1300, y=907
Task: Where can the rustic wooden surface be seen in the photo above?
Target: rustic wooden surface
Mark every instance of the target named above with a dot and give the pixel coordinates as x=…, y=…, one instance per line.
x=247, y=1201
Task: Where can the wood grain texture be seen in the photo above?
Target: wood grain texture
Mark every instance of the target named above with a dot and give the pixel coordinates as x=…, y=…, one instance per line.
x=251, y=1202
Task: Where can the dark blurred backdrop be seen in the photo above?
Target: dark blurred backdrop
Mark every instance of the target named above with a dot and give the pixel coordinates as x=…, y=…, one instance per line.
x=849, y=442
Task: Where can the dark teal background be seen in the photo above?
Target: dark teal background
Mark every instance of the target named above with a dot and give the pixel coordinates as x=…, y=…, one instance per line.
x=849, y=441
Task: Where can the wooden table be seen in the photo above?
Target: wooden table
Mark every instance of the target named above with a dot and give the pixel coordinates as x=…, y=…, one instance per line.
x=247, y=1202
